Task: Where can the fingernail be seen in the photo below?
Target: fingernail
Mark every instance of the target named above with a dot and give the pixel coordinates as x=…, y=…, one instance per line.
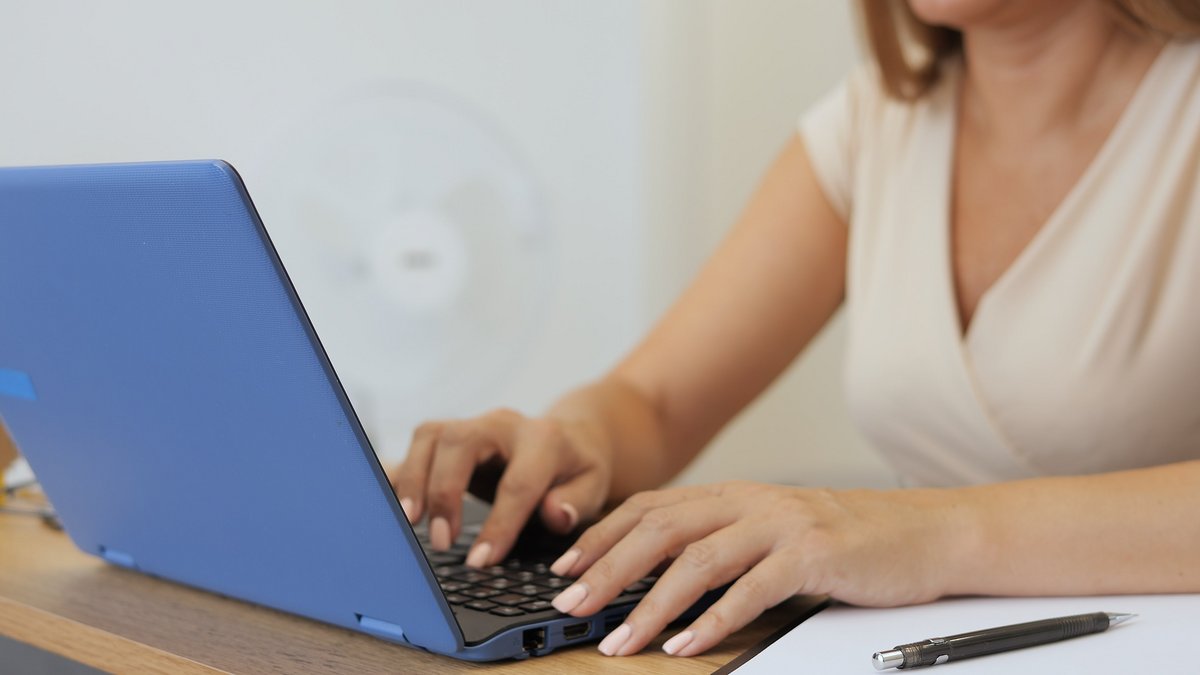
x=572, y=515
x=615, y=640
x=566, y=562
x=678, y=642
x=439, y=534
x=479, y=555
x=408, y=506
x=570, y=598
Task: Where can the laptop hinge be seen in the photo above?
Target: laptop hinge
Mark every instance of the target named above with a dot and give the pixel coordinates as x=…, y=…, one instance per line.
x=382, y=628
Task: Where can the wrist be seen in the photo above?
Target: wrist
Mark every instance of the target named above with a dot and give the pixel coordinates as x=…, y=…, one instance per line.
x=621, y=428
x=970, y=540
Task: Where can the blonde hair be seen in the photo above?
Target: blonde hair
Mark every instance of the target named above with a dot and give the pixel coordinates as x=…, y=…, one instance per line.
x=910, y=52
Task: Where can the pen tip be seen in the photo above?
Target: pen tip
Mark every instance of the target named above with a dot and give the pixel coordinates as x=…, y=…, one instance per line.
x=1114, y=619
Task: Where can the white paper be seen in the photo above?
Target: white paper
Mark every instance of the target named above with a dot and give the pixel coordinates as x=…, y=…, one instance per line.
x=1163, y=638
x=18, y=473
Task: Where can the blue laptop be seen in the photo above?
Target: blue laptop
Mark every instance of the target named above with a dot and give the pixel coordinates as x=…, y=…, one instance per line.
x=162, y=378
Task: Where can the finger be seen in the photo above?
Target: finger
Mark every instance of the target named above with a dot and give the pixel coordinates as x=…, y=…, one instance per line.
x=458, y=451
x=705, y=564
x=660, y=534
x=601, y=537
x=581, y=497
x=521, y=487
x=767, y=584
x=412, y=475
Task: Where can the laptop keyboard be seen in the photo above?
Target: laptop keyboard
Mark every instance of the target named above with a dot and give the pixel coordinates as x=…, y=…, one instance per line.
x=505, y=590
x=513, y=588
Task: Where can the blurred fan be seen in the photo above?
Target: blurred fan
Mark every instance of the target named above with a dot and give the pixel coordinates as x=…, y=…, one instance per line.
x=419, y=247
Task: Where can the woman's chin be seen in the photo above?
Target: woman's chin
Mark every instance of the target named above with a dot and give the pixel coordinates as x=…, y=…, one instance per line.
x=963, y=13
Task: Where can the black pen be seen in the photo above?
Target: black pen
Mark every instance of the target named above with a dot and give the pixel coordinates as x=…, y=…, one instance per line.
x=935, y=651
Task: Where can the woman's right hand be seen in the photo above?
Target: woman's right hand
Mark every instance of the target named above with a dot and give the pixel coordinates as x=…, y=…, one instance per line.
x=562, y=469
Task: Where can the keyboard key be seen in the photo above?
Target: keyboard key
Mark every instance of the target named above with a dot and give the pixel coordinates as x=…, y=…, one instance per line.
x=508, y=611
x=445, y=558
x=509, y=599
x=553, y=582
x=524, y=576
x=472, y=577
x=481, y=593
x=527, y=589
x=638, y=587
x=497, y=570
x=500, y=584
x=548, y=595
x=448, y=570
x=481, y=605
x=454, y=586
x=456, y=599
x=537, y=606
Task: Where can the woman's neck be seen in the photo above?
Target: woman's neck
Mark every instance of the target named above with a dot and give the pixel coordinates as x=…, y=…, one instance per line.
x=1032, y=74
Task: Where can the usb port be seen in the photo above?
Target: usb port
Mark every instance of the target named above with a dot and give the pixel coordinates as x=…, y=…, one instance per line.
x=576, y=631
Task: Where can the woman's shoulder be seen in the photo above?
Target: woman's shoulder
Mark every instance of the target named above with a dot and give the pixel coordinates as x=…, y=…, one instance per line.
x=858, y=131
x=1186, y=47
x=1168, y=99
x=864, y=104
x=864, y=95
x=1182, y=66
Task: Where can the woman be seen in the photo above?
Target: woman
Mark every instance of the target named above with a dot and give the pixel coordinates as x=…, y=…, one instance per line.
x=1015, y=226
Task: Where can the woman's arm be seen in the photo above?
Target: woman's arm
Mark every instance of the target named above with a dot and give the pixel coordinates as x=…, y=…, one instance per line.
x=771, y=285
x=1132, y=531
x=1125, y=532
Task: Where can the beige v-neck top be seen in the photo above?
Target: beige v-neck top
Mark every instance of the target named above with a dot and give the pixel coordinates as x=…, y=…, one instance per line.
x=1084, y=356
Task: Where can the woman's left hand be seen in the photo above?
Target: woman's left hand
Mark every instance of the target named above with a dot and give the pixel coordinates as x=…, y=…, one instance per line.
x=862, y=547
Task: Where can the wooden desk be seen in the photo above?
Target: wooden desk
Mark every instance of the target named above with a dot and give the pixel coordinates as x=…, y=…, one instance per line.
x=55, y=598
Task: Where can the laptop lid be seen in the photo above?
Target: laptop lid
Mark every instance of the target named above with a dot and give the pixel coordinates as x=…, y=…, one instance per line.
x=159, y=373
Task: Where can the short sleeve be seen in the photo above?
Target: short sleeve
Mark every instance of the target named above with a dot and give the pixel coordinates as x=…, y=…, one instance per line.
x=829, y=132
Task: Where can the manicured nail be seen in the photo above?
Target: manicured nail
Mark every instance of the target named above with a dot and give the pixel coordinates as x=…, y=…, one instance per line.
x=408, y=506
x=479, y=555
x=615, y=640
x=439, y=534
x=572, y=515
x=570, y=598
x=566, y=562
x=678, y=642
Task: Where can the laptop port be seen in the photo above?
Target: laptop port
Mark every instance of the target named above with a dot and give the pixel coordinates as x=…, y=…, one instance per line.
x=576, y=631
x=613, y=621
x=534, y=639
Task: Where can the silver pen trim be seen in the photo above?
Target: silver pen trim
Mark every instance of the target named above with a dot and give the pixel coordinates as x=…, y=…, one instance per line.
x=1114, y=619
x=888, y=658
